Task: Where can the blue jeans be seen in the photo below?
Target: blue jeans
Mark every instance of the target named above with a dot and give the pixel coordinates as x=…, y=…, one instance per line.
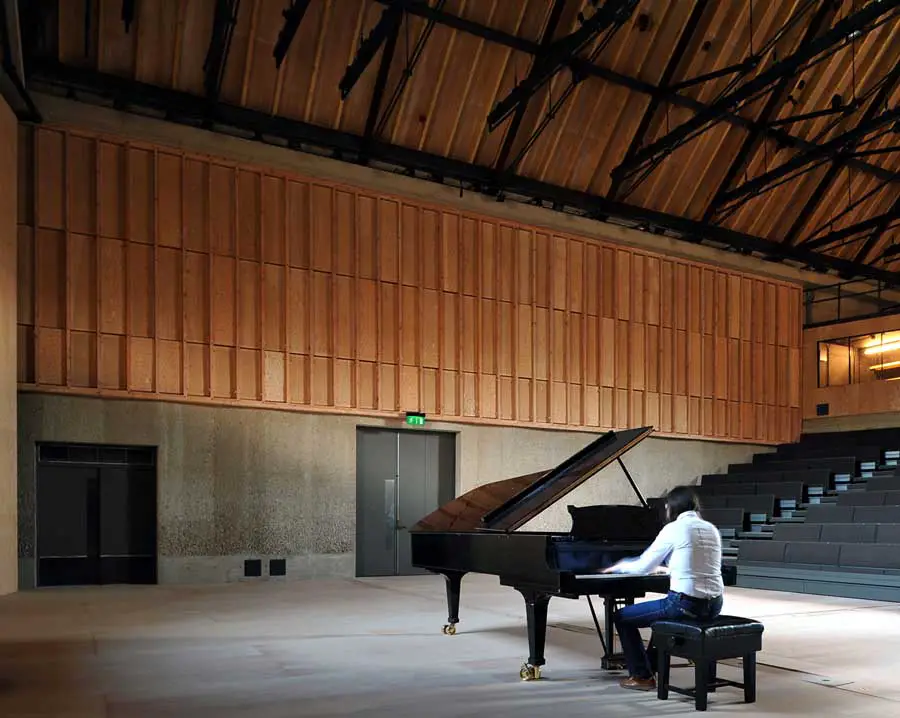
x=641, y=615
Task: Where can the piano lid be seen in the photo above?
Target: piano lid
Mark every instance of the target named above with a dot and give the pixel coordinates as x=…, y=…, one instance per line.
x=508, y=504
x=464, y=513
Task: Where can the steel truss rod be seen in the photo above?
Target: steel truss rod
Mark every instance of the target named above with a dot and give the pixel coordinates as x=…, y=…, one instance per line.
x=8, y=64
x=879, y=151
x=424, y=10
x=191, y=110
x=860, y=227
x=791, y=119
x=613, y=12
x=559, y=102
x=886, y=88
x=847, y=210
x=513, y=130
x=387, y=24
x=891, y=251
x=742, y=68
x=859, y=22
x=827, y=151
x=411, y=63
x=293, y=16
x=883, y=226
x=777, y=98
x=224, y=20
x=687, y=34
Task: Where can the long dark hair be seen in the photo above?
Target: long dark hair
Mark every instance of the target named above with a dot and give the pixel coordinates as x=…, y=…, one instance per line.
x=679, y=500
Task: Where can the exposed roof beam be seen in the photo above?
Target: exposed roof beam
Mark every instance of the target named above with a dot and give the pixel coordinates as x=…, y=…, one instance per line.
x=513, y=129
x=293, y=16
x=224, y=20
x=384, y=67
x=890, y=83
x=823, y=17
x=386, y=26
x=560, y=52
x=687, y=33
x=423, y=10
x=189, y=109
x=860, y=21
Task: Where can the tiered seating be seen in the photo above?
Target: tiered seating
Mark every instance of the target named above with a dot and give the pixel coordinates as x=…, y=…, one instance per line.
x=842, y=542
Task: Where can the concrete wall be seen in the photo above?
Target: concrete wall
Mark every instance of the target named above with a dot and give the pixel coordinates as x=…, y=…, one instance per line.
x=236, y=483
x=8, y=264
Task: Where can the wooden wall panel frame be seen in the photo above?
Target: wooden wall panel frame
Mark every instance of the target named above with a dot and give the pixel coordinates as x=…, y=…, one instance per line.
x=549, y=329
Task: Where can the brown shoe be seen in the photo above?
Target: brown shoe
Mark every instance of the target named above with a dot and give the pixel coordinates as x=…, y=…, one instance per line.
x=638, y=684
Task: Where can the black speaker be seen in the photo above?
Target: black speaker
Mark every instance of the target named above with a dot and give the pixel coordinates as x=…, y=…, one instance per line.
x=253, y=567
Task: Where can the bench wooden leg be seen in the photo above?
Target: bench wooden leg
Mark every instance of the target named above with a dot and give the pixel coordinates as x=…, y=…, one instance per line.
x=750, y=677
x=701, y=684
x=663, y=664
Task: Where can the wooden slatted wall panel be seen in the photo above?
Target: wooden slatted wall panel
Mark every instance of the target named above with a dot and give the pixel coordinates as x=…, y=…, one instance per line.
x=151, y=272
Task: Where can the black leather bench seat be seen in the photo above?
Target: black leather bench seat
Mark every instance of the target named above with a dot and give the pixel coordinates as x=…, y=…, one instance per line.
x=706, y=643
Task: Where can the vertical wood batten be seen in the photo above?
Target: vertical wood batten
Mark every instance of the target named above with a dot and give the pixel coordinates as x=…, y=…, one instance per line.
x=286, y=290
x=126, y=231
x=155, y=283
x=184, y=298
x=236, y=254
x=67, y=224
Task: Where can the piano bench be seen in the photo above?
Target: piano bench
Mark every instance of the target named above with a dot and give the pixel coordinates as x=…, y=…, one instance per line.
x=705, y=643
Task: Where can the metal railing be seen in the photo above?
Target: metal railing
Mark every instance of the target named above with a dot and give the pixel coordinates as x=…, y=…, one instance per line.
x=849, y=300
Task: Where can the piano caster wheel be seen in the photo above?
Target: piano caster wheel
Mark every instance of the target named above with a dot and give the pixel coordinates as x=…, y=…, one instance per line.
x=449, y=629
x=529, y=672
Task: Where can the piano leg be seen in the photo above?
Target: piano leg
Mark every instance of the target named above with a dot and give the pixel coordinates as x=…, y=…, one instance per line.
x=536, y=611
x=612, y=660
x=453, y=580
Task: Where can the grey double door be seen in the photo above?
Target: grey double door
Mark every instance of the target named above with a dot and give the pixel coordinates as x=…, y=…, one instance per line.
x=400, y=477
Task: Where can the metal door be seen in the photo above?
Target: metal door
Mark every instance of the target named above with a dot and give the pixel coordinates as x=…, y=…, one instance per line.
x=401, y=477
x=127, y=525
x=67, y=551
x=376, y=502
x=427, y=477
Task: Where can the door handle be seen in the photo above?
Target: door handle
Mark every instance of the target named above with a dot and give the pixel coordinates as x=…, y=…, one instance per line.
x=390, y=515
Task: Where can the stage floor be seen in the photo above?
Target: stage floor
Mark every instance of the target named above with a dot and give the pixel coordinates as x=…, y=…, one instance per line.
x=374, y=648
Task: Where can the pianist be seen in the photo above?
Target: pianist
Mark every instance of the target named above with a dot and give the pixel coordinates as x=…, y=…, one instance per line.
x=693, y=549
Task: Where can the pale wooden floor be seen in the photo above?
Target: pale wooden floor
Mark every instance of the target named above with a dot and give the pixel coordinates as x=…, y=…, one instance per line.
x=374, y=648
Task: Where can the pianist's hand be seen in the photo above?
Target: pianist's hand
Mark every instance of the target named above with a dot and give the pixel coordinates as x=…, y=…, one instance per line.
x=612, y=569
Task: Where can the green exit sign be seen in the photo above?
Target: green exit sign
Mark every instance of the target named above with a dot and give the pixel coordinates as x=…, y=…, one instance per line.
x=414, y=418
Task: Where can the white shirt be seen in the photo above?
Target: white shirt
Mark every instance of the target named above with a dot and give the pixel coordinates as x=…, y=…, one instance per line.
x=694, y=550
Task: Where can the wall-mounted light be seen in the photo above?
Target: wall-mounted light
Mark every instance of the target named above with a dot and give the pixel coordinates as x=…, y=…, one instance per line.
x=879, y=348
x=886, y=365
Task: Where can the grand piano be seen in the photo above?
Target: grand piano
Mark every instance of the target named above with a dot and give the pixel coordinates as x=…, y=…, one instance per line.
x=477, y=533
